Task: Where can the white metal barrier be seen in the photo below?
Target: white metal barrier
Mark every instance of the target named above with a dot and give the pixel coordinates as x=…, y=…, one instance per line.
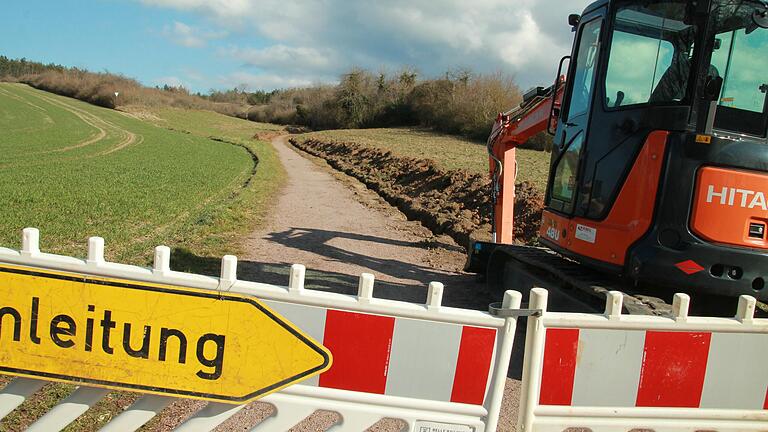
x=434, y=367
x=615, y=372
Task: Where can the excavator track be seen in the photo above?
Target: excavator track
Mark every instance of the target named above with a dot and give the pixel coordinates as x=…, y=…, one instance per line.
x=547, y=269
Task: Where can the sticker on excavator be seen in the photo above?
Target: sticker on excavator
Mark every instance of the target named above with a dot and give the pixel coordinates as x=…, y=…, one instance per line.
x=585, y=233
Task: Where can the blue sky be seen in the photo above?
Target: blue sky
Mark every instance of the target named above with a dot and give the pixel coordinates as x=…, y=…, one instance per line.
x=204, y=44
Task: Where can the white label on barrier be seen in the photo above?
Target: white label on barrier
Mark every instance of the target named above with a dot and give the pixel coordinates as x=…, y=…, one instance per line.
x=425, y=426
x=588, y=234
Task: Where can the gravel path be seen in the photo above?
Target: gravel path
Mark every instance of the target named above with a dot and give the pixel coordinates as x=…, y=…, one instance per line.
x=338, y=229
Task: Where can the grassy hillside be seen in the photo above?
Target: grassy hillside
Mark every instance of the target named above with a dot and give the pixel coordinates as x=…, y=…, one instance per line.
x=183, y=178
x=249, y=205
x=449, y=152
x=203, y=123
x=75, y=170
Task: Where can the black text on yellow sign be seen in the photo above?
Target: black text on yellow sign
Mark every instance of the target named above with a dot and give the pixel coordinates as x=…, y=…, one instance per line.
x=148, y=337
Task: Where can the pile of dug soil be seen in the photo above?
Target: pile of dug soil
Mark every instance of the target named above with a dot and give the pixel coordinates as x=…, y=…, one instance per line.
x=453, y=202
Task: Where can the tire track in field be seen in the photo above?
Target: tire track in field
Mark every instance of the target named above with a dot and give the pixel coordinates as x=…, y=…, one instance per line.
x=104, y=129
x=100, y=134
x=25, y=101
x=103, y=126
x=129, y=137
x=44, y=112
x=85, y=117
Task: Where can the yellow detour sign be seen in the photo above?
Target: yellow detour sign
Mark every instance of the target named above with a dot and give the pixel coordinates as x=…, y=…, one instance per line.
x=148, y=337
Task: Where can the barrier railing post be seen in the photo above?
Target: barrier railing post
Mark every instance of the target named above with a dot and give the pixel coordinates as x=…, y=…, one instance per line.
x=434, y=295
x=30, y=242
x=296, y=278
x=512, y=300
x=162, y=262
x=534, y=346
x=365, y=288
x=745, y=312
x=614, y=302
x=228, y=275
x=680, y=305
x=95, y=251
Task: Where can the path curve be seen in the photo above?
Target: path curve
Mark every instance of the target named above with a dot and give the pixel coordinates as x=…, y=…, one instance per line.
x=338, y=228
x=335, y=226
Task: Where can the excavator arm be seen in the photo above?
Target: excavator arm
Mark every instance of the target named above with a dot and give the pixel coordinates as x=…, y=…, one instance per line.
x=513, y=128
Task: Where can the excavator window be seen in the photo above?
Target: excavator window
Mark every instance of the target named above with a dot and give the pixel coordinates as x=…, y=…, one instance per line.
x=744, y=95
x=566, y=169
x=586, y=65
x=650, y=55
x=564, y=183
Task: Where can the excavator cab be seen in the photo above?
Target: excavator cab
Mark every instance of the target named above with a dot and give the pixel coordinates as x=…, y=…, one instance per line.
x=659, y=168
x=659, y=165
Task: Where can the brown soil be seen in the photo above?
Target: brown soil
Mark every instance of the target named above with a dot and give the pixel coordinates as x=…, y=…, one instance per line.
x=456, y=203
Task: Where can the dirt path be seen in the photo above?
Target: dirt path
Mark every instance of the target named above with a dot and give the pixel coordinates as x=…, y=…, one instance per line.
x=338, y=229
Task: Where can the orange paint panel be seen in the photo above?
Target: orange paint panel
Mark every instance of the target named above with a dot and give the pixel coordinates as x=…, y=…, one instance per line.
x=504, y=210
x=726, y=203
x=629, y=218
x=519, y=127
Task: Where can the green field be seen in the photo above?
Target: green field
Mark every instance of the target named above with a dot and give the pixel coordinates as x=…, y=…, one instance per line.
x=75, y=170
x=448, y=151
x=219, y=233
x=138, y=179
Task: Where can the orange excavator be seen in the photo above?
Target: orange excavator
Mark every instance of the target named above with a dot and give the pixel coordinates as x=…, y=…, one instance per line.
x=659, y=167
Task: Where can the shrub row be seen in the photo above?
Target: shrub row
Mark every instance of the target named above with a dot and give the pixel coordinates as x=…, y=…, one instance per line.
x=460, y=102
x=99, y=88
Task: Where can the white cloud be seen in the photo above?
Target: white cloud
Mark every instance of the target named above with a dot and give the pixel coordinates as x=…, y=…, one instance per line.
x=283, y=57
x=190, y=37
x=264, y=81
x=324, y=38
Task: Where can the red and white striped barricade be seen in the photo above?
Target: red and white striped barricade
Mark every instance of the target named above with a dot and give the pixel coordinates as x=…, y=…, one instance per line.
x=616, y=372
x=436, y=368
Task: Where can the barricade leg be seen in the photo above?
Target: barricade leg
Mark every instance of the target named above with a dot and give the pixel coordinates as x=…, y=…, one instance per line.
x=16, y=392
x=68, y=410
x=512, y=300
x=138, y=413
x=209, y=417
x=534, y=344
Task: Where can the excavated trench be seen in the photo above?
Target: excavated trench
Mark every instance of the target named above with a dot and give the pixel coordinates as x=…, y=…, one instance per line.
x=452, y=202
